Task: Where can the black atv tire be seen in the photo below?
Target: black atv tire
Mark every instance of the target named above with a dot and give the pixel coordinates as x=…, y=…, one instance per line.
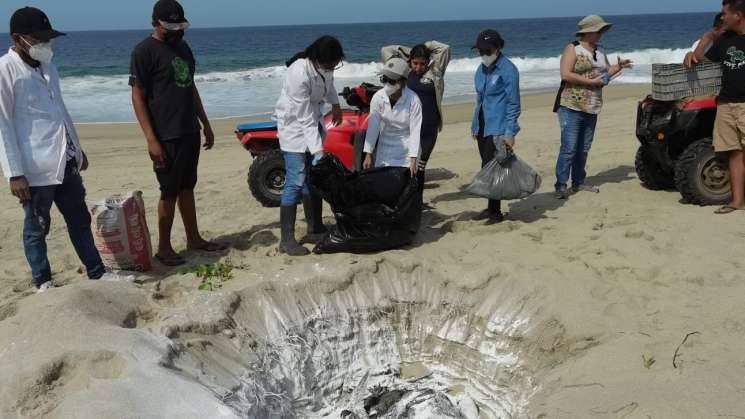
x=650, y=173
x=701, y=177
x=266, y=178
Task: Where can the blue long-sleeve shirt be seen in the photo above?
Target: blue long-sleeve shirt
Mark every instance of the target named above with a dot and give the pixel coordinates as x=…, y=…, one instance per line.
x=498, y=92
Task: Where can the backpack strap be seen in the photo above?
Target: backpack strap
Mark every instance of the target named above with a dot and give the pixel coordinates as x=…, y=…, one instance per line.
x=557, y=102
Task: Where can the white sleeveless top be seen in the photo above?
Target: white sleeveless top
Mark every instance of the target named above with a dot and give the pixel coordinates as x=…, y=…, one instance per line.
x=583, y=98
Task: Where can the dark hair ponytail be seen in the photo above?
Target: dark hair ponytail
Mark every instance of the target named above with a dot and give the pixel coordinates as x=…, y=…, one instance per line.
x=420, y=51
x=325, y=49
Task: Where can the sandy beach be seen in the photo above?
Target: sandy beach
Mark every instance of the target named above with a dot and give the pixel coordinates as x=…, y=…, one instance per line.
x=569, y=309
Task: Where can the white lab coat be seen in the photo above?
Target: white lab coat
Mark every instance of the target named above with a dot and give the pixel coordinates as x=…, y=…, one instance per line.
x=299, y=110
x=33, y=123
x=395, y=130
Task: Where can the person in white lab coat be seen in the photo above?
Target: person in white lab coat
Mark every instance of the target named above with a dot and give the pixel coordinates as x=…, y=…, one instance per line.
x=40, y=152
x=395, y=123
x=308, y=87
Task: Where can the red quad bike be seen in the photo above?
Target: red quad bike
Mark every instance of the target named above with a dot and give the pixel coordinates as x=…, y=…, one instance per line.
x=676, y=150
x=266, y=176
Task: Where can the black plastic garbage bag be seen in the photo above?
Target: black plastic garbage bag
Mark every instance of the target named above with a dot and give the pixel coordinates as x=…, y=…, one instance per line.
x=375, y=210
x=505, y=177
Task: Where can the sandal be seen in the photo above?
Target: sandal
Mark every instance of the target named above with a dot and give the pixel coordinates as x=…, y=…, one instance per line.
x=728, y=209
x=210, y=247
x=171, y=260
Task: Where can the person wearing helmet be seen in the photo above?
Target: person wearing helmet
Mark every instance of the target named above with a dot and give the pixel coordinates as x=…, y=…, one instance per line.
x=395, y=122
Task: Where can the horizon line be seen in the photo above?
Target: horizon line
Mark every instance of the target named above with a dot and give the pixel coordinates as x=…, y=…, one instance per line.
x=382, y=23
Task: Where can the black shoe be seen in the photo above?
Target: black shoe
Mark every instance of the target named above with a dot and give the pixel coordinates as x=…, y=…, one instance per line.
x=585, y=188
x=561, y=193
x=287, y=243
x=486, y=214
x=496, y=218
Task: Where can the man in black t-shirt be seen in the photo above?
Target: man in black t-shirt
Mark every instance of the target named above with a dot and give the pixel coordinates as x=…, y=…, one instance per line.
x=727, y=46
x=169, y=110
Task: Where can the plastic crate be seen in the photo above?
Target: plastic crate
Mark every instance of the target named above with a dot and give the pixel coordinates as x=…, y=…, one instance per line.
x=675, y=82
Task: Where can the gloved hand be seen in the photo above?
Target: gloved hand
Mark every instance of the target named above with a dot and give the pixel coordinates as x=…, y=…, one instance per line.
x=502, y=151
x=317, y=158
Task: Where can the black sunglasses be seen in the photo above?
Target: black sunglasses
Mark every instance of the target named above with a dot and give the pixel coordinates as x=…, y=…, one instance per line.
x=388, y=80
x=332, y=67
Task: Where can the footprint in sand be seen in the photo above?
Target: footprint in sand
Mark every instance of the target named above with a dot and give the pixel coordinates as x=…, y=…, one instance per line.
x=8, y=310
x=46, y=388
x=733, y=326
x=536, y=236
x=639, y=234
x=478, y=228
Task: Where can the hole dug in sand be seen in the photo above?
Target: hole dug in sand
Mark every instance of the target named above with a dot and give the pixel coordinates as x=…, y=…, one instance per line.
x=384, y=339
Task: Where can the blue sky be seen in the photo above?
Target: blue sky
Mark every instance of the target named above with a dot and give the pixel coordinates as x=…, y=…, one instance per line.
x=134, y=14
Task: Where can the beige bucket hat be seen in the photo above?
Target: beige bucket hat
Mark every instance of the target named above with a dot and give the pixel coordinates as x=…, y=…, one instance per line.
x=591, y=24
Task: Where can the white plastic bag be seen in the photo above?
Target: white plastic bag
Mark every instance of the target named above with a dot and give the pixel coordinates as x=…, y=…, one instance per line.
x=121, y=233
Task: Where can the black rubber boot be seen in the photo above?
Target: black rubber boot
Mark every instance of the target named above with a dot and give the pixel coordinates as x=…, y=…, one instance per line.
x=495, y=205
x=288, y=244
x=313, y=208
x=493, y=212
x=496, y=209
x=420, y=179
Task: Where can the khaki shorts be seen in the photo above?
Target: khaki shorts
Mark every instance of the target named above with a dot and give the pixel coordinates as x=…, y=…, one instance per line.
x=729, y=128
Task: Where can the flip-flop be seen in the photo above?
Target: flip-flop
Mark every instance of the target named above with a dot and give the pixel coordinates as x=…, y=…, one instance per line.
x=210, y=247
x=727, y=209
x=171, y=260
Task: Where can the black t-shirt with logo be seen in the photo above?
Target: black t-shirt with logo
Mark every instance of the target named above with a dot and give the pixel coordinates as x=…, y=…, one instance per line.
x=729, y=50
x=166, y=73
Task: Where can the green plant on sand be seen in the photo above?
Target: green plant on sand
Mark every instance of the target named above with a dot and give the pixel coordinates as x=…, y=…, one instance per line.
x=213, y=275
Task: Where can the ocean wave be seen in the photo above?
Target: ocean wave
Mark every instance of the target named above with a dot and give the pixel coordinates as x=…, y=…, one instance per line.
x=254, y=91
x=370, y=70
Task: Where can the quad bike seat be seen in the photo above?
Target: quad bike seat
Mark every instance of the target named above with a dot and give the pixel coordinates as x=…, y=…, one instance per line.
x=257, y=126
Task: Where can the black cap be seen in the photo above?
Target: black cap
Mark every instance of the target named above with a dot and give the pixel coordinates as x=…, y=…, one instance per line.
x=489, y=39
x=33, y=22
x=169, y=11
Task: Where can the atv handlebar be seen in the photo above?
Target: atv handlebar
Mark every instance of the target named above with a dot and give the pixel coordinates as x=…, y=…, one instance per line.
x=360, y=96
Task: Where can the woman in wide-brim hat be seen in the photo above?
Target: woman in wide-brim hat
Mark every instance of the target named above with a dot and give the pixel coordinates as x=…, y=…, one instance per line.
x=585, y=70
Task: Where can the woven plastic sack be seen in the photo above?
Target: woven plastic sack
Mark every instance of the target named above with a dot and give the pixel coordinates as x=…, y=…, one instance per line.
x=121, y=233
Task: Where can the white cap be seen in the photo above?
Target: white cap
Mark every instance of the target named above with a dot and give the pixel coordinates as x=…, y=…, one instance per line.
x=396, y=68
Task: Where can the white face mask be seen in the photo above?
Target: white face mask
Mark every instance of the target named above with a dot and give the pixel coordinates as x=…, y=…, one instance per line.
x=488, y=60
x=391, y=89
x=326, y=74
x=41, y=52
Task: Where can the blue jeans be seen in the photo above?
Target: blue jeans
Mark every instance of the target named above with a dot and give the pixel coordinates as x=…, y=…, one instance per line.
x=70, y=200
x=577, y=133
x=296, y=174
